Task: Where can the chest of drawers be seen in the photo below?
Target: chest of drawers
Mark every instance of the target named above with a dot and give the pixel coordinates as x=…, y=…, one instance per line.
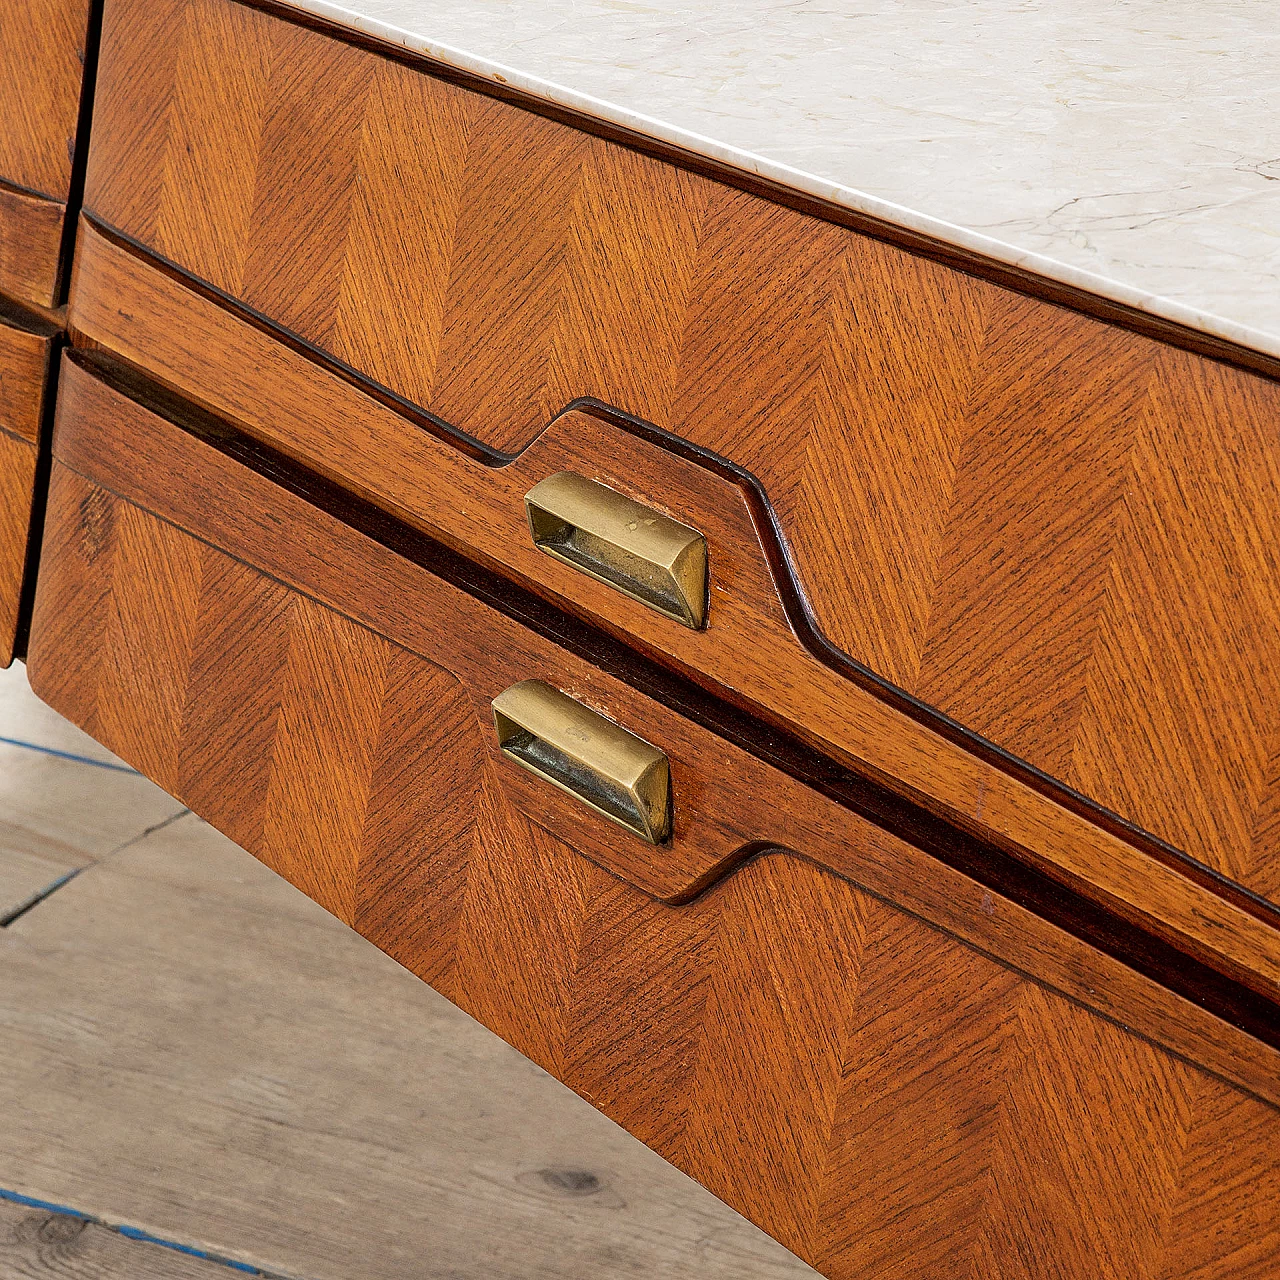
x=47, y=49
x=1045, y=528
x=962, y=948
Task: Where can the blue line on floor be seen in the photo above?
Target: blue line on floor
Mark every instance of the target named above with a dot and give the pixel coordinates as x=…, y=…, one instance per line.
x=129, y=1233
x=134, y=1233
x=16, y=1198
x=68, y=755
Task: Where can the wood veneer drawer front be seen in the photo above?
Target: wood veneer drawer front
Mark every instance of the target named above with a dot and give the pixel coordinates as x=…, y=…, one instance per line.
x=286, y=676
x=907, y=775
x=24, y=373
x=1057, y=532
x=26, y=346
x=44, y=46
x=30, y=245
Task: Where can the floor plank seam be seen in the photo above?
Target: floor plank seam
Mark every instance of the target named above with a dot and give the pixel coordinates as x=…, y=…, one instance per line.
x=138, y=1234
x=35, y=899
x=142, y=835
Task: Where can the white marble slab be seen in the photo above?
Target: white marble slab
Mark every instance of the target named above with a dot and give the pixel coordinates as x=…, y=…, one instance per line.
x=1129, y=147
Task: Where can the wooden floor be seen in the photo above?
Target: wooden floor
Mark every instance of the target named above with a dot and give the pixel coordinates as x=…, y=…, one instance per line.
x=200, y=1069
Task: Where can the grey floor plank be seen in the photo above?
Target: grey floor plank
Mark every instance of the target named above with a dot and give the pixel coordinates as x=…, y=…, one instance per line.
x=38, y=1245
x=30, y=864
x=188, y=1044
x=58, y=814
x=91, y=809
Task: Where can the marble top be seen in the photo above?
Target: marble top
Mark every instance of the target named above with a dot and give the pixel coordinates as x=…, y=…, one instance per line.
x=1128, y=147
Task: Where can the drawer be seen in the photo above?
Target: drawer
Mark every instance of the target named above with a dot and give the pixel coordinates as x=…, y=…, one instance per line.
x=1004, y=554
x=30, y=247
x=960, y=1079
x=45, y=46
x=747, y=653
x=26, y=348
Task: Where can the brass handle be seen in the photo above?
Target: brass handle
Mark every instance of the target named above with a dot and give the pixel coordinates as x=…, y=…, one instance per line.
x=590, y=757
x=649, y=556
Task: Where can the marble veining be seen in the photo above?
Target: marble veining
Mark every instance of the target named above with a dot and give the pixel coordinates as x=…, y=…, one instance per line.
x=1129, y=147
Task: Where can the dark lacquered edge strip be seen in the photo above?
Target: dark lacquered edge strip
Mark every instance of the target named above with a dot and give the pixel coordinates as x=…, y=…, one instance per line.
x=80, y=155
x=39, y=497
x=968, y=261
x=1138, y=949
x=472, y=446
x=773, y=542
x=28, y=193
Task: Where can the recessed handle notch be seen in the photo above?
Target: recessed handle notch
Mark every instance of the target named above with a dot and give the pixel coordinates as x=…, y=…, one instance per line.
x=639, y=551
x=587, y=755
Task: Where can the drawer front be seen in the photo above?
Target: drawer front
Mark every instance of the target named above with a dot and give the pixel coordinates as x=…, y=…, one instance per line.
x=882, y=1094
x=24, y=373
x=42, y=59
x=44, y=48
x=748, y=648
x=30, y=247
x=26, y=345
x=1060, y=533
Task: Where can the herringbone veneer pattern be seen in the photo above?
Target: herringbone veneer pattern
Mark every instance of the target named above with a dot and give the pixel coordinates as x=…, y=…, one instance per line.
x=1059, y=532
x=882, y=1098
x=42, y=54
x=43, y=51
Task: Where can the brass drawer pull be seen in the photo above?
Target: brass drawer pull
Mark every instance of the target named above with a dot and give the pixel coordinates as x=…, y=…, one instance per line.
x=590, y=757
x=649, y=556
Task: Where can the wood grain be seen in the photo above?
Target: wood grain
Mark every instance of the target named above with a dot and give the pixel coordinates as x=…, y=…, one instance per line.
x=728, y=801
x=876, y=1093
x=45, y=48
x=38, y=1245
x=25, y=369
x=1057, y=531
x=750, y=648
x=42, y=55
x=30, y=247
x=24, y=374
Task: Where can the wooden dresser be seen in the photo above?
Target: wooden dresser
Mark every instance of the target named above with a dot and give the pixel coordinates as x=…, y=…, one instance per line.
x=810, y=688
x=45, y=48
